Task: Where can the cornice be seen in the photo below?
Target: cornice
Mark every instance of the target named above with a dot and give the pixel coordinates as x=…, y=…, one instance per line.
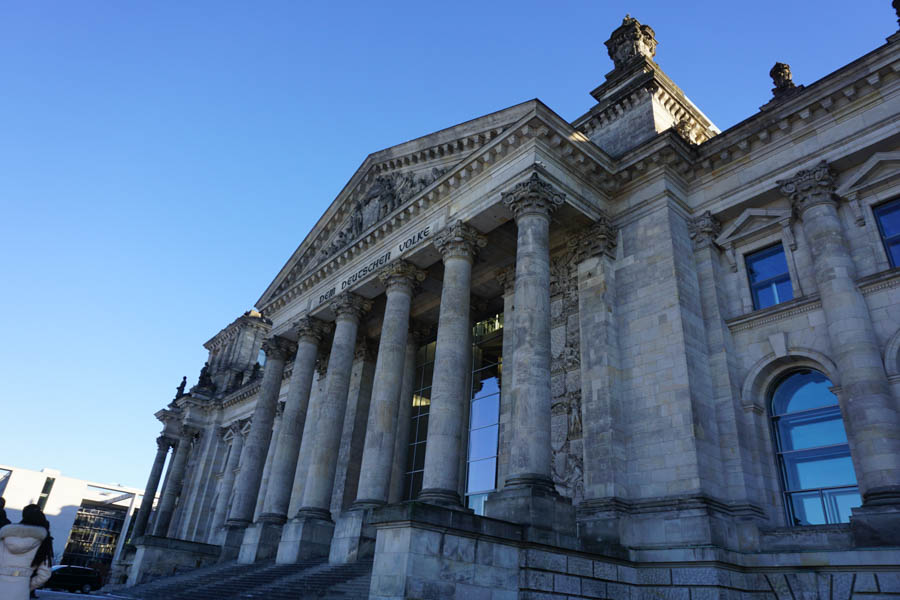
x=782, y=121
x=779, y=312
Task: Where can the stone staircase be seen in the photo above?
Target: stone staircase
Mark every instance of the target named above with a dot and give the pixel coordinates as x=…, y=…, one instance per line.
x=265, y=581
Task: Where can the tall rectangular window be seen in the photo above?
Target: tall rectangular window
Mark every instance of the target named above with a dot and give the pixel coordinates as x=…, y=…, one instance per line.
x=45, y=492
x=418, y=429
x=770, y=281
x=888, y=217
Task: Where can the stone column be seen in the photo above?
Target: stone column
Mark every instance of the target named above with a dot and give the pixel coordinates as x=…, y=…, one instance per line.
x=399, y=279
x=261, y=541
x=262, y=495
x=604, y=434
x=309, y=535
x=870, y=412
x=415, y=339
x=457, y=243
x=227, y=483
x=530, y=494
x=173, y=489
x=256, y=446
x=140, y=525
x=352, y=539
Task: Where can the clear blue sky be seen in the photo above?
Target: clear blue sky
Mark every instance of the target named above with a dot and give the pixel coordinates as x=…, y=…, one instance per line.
x=160, y=161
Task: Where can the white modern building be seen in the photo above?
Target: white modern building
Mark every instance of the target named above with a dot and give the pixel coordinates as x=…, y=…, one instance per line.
x=87, y=518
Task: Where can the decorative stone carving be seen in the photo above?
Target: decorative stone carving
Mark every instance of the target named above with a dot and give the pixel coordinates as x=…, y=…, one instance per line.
x=459, y=240
x=164, y=443
x=533, y=196
x=322, y=362
x=311, y=328
x=386, y=194
x=631, y=40
x=205, y=382
x=781, y=77
x=810, y=187
x=685, y=127
x=600, y=238
x=256, y=372
x=400, y=274
x=180, y=390
x=278, y=348
x=350, y=305
x=704, y=230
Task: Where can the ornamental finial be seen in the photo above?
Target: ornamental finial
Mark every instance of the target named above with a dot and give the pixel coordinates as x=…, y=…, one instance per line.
x=631, y=40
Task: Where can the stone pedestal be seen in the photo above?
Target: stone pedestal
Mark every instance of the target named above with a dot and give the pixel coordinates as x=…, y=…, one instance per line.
x=550, y=517
x=232, y=540
x=877, y=521
x=354, y=537
x=261, y=539
x=307, y=536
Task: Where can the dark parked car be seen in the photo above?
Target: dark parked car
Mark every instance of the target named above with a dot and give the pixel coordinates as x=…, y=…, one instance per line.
x=73, y=579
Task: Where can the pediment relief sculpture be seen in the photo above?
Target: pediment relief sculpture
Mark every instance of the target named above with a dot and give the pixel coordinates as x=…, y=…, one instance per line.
x=385, y=194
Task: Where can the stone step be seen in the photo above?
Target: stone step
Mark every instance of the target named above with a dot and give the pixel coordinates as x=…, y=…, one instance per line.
x=310, y=579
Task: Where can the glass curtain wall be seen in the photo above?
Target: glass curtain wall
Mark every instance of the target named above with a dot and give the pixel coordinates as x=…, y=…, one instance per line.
x=484, y=414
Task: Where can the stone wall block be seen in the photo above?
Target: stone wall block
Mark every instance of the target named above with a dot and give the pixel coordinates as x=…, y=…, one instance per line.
x=579, y=566
x=620, y=591
x=494, y=577
x=506, y=556
x=700, y=576
x=549, y=561
x=661, y=593
x=465, y=591
x=889, y=582
x=605, y=570
x=535, y=580
x=504, y=594
x=803, y=585
x=780, y=586
x=865, y=582
x=458, y=571
x=593, y=588
x=566, y=584
x=841, y=586
x=655, y=576
x=626, y=574
x=459, y=548
x=428, y=590
x=426, y=542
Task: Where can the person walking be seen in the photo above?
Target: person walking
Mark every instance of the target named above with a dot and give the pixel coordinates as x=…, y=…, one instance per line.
x=26, y=553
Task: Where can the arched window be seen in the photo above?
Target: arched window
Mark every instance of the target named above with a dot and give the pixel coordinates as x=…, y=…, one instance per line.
x=814, y=458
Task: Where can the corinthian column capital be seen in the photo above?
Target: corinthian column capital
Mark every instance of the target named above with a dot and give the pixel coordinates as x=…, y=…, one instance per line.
x=458, y=240
x=350, y=306
x=401, y=275
x=810, y=187
x=312, y=329
x=278, y=348
x=532, y=197
x=704, y=229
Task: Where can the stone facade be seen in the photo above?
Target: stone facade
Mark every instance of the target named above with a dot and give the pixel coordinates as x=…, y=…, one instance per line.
x=621, y=434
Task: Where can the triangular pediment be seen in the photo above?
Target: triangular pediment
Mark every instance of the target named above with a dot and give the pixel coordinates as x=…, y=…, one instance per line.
x=387, y=192
x=751, y=222
x=386, y=181
x=881, y=168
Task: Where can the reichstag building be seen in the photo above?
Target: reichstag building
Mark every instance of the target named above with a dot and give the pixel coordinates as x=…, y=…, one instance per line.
x=628, y=356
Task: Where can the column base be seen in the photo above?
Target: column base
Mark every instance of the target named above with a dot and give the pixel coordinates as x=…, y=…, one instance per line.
x=550, y=517
x=305, y=536
x=232, y=540
x=261, y=539
x=877, y=521
x=441, y=497
x=354, y=538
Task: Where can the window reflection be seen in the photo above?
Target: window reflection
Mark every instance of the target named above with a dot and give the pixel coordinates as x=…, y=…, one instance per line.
x=817, y=471
x=770, y=282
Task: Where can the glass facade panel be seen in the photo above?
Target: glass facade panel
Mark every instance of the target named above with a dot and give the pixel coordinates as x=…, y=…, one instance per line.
x=817, y=472
x=888, y=217
x=770, y=282
x=418, y=429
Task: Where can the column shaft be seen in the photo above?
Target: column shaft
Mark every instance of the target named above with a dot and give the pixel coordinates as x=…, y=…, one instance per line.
x=323, y=462
x=227, y=484
x=378, y=453
x=449, y=396
x=140, y=524
x=870, y=413
x=292, y=423
x=307, y=443
x=173, y=489
x=401, y=440
x=246, y=486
